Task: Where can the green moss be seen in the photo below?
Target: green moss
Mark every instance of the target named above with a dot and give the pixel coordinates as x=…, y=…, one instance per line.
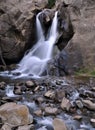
x=51, y=3
x=86, y=72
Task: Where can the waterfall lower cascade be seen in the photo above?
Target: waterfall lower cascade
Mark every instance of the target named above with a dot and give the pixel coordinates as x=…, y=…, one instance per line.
x=34, y=63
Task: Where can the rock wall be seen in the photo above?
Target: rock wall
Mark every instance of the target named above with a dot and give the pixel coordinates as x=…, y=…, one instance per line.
x=81, y=49
x=17, y=30
x=17, y=26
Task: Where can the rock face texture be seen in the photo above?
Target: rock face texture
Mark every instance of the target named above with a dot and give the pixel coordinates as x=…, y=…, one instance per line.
x=76, y=24
x=15, y=114
x=81, y=47
x=17, y=26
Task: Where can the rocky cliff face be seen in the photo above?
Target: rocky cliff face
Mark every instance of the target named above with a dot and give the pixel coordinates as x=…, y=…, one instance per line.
x=17, y=26
x=81, y=47
x=17, y=30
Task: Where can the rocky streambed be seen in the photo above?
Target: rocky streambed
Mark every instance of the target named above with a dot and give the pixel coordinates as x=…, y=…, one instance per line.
x=49, y=103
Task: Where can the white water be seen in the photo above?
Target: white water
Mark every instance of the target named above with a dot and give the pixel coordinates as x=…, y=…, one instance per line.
x=35, y=61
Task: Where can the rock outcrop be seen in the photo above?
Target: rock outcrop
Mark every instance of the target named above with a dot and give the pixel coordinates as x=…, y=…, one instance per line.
x=17, y=27
x=81, y=47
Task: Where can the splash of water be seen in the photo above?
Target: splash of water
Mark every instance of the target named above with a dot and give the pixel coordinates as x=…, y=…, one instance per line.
x=35, y=61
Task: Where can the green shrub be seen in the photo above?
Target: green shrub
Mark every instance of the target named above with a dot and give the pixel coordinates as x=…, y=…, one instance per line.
x=86, y=72
x=51, y=3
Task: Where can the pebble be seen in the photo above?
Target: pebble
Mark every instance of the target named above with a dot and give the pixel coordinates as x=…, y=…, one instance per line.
x=65, y=104
x=51, y=111
x=59, y=124
x=29, y=84
x=38, y=112
x=50, y=94
x=79, y=104
x=92, y=122
x=77, y=117
x=90, y=105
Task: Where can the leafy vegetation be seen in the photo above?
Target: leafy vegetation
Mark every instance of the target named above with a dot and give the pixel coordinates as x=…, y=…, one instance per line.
x=51, y=3
x=86, y=72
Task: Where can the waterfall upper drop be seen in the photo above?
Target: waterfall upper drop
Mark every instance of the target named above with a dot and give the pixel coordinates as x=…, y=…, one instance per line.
x=35, y=61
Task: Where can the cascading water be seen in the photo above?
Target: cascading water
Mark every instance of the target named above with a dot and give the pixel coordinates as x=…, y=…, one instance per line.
x=35, y=61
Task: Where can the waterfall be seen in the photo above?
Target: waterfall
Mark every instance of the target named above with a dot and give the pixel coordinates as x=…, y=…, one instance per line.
x=34, y=63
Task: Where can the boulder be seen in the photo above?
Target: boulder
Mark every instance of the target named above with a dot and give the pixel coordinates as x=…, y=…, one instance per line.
x=81, y=47
x=15, y=114
x=17, y=26
x=59, y=124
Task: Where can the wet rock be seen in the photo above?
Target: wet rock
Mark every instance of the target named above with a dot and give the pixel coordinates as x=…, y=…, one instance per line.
x=38, y=112
x=59, y=95
x=2, y=85
x=26, y=127
x=42, y=128
x=89, y=104
x=77, y=117
x=83, y=19
x=59, y=124
x=39, y=100
x=50, y=94
x=65, y=104
x=15, y=114
x=79, y=104
x=18, y=90
x=30, y=84
x=6, y=127
x=93, y=89
x=92, y=122
x=17, y=26
x=37, y=88
x=51, y=111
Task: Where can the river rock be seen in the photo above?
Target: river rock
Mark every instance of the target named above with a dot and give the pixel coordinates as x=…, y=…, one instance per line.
x=6, y=127
x=2, y=85
x=17, y=28
x=65, y=104
x=38, y=112
x=51, y=111
x=26, y=127
x=59, y=95
x=59, y=124
x=89, y=104
x=92, y=122
x=50, y=94
x=15, y=114
x=79, y=104
x=29, y=84
x=77, y=117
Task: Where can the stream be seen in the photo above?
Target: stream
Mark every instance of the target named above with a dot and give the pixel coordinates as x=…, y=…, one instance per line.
x=48, y=92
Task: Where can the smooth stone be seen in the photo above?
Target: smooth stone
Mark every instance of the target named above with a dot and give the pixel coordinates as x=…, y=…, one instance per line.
x=90, y=105
x=92, y=122
x=50, y=94
x=26, y=127
x=38, y=112
x=29, y=84
x=59, y=124
x=79, y=104
x=77, y=117
x=51, y=111
x=60, y=94
x=6, y=127
x=65, y=104
x=15, y=114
